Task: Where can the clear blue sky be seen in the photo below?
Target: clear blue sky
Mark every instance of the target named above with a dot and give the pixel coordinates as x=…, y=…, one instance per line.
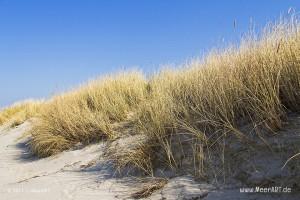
x=52, y=45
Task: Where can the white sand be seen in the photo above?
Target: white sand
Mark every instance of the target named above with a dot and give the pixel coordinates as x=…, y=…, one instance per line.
x=83, y=174
x=60, y=177
x=77, y=175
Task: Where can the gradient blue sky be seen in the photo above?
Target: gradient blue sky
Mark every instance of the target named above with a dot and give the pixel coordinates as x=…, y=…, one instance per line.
x=52, y=45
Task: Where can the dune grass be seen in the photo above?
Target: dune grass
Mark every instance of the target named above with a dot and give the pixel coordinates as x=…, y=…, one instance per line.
x=88, y=114
x=256, y=83
x=19, y=112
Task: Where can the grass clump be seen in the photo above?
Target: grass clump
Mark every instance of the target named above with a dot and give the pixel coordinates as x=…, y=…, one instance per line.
x=256, y=83
x=87, y=114
x=184, y=113
x=19, y=112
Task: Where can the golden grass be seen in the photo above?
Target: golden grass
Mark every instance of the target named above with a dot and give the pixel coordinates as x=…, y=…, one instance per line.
x=256, y=83
x=131, y=152
x=86, y=115
x=20, y=112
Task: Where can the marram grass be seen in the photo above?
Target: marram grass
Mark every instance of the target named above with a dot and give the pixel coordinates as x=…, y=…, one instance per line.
x=256, y=83
x=87, y=115
x=20, y=112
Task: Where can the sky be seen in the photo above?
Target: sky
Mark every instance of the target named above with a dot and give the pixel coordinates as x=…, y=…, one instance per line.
x=50, y=46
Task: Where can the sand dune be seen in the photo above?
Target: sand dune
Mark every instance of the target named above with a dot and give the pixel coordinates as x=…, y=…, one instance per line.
x=60, y=177
x=76, y=174
x=83, y=173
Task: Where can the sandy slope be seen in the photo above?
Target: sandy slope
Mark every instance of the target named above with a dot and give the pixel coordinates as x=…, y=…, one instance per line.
x=83, y=174
x=61, y=177
x=77, y=174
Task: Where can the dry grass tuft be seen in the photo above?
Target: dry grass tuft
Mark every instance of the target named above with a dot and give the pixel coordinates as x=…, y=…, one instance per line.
x=131, y=152
x=20, y=112
x=256, y=83
x=86, y=115
x=149, y=187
